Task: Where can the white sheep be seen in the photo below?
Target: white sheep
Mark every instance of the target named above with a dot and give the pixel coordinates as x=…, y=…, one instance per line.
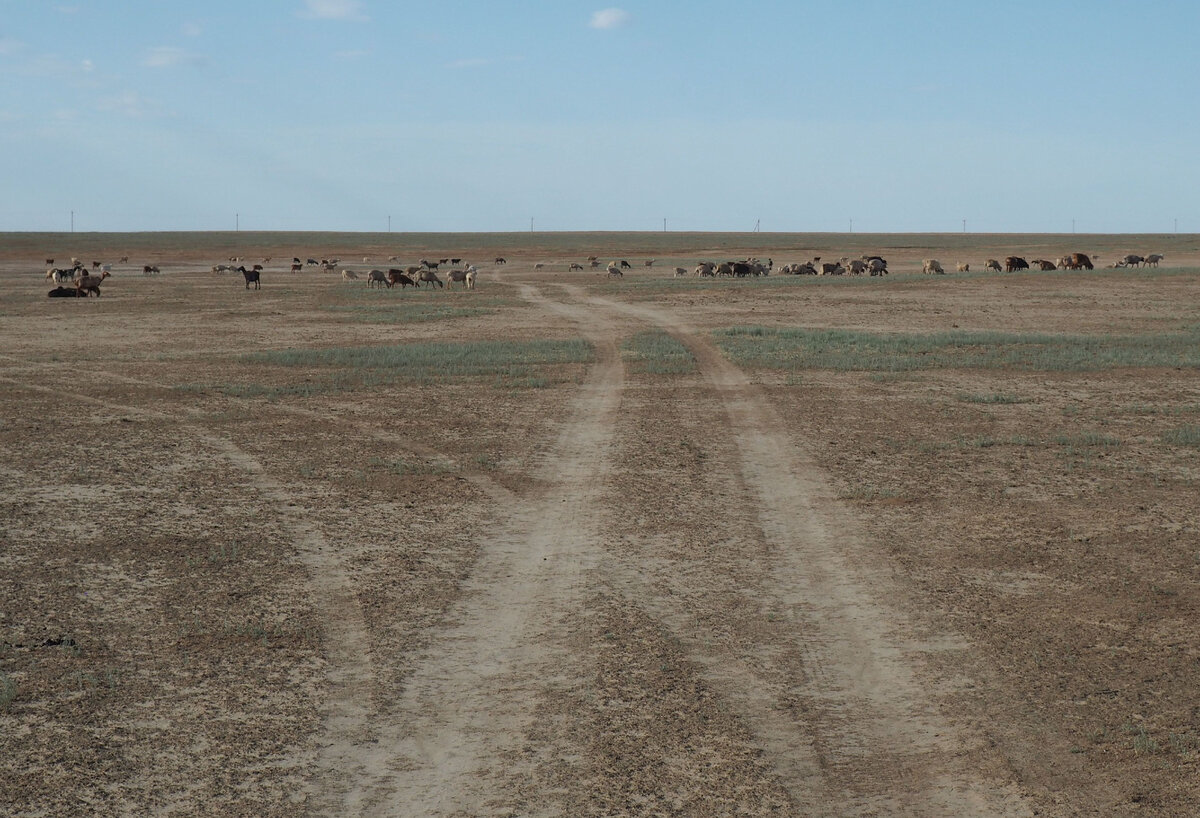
x=931, y=266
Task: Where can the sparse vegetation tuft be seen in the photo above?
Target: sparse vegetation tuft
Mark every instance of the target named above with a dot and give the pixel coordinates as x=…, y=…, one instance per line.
x=1183, y=436
x=855, y=350
x=657, y=353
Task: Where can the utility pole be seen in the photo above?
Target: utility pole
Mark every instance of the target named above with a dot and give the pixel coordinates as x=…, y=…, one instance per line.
x=1072, y=227
x=389, y=222
x=964, y=225
x=665, y=226
x=531, y=224
x=237, y=222
x=72, y=221
x=851, y=225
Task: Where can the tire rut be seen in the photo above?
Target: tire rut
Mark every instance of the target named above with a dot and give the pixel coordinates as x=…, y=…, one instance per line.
x=470, y=699
x=883, y=744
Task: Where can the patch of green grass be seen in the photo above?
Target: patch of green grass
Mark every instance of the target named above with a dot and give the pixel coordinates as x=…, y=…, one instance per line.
x=8, y=692
x=440, y=360
x=853, y=350
x=513, y=364
x=1087, y=440
x=657, y=353
x=1183, y=436
x=405, y=468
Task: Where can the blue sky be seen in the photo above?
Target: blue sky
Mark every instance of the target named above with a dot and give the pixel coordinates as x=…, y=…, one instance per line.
x=463, y=115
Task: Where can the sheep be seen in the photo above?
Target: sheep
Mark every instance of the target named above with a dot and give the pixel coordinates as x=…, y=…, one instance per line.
x=1044, y=264
x=1131, y=261
x=429, y=276
x=89, y=284
x=297, y=266
x=1079, y=261
x=877, y=266
x=625, y=265
x=856, y=266
x=538, y=265
x=614, y=270
x=123, y=259
x=932, y=266
x=501, y=260
x=1013, y=263
x=574, y=266
x=648, y=262
x=962, y=267
x=50, y=262
x=149, y=269
x=470, y=278
x=378, y=277
x=251, y=276
x=395, y=276
x=680, y=272
x=1153, y=259
x=706, y=269
x=349, y=275
x=830, y=268
x=65, y=292
x=457, y=277
x=992, y=265
x=95, y=265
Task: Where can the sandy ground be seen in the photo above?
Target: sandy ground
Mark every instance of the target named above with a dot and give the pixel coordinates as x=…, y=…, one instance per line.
x=232, y=588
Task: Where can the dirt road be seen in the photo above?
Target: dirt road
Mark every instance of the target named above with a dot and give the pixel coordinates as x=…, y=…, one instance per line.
x=823, y=713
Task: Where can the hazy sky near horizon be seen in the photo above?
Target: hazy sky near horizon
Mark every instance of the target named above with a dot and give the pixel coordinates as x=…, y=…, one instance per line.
x=808, y=115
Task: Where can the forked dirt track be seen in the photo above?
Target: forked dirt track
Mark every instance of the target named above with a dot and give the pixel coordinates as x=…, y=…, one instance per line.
x=868, y=740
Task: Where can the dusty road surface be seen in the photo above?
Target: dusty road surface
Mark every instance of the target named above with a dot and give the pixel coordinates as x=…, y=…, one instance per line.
x=565, y=546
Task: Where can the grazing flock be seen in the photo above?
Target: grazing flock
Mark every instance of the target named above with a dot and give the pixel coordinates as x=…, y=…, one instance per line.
x=78, y=281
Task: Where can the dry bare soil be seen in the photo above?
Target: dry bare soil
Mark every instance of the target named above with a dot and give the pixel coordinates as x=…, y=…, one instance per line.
x=577, y=546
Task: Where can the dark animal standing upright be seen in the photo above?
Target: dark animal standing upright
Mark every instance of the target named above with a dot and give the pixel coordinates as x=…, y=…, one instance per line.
x=252, y=276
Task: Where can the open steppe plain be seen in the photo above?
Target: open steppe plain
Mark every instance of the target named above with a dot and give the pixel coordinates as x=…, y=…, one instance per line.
x=567, y=545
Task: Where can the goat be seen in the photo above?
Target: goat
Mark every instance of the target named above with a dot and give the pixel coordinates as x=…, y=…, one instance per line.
x=931, y=266
x=378, y=277
x=297, y=267
x=648, y=262
x=574, y=266
x=992, y=265
x=680, y=272
x=251, y=276
x=1153, y=259
x=65, y=292
x=349, y=275
x=963, y=267
x=614, y=270
x=625, y=265
x=501, y=260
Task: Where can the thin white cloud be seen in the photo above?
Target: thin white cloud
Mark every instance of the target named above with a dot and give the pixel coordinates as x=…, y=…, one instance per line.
x=10, y=46
x=129, y=103
x=88, y=66
x=481, y=62
x=192, y=29
x=609, y=18
x=333, y=10
x=169, y=57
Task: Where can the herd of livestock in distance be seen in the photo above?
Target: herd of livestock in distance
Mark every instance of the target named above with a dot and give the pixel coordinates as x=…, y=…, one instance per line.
x=84, y=282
